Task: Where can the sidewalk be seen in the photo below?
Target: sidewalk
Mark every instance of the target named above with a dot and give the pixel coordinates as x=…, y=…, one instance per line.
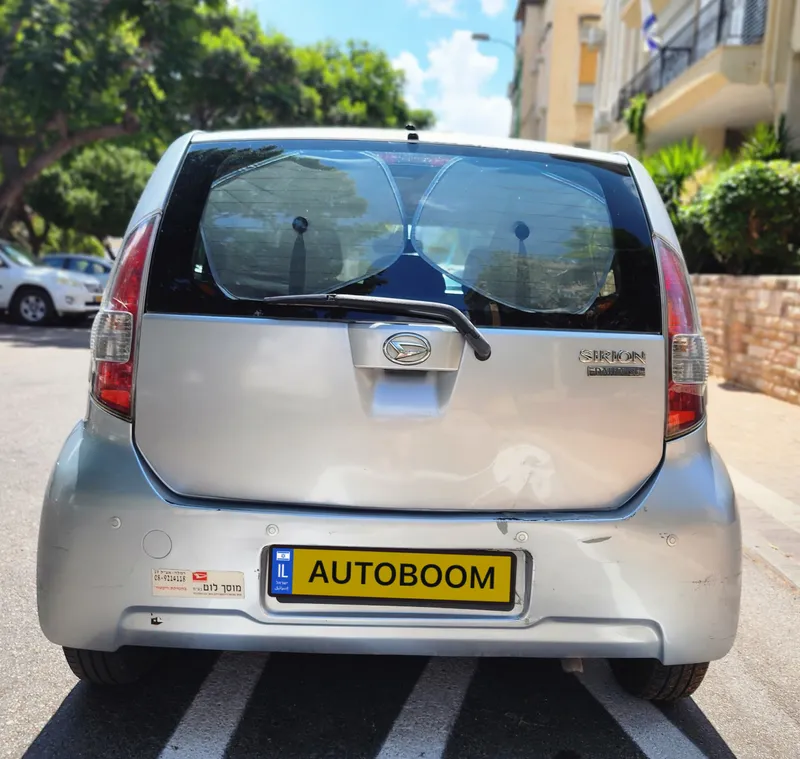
x=759, y=439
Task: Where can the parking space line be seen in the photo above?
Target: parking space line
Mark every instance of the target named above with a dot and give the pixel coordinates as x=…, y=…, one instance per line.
x=755, y=543
x=423, y=726
x=778, y=507
x=770, y=526
x=645, y=725
x=210, y=721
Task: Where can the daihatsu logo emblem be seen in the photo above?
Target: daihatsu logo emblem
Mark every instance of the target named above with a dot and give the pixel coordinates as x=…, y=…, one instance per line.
x=407, y=349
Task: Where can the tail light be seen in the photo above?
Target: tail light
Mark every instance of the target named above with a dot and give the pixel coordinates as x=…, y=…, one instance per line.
x=114, y=330
x=688, y=352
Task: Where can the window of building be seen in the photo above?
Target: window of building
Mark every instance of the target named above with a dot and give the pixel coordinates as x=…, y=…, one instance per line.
x=587, y=63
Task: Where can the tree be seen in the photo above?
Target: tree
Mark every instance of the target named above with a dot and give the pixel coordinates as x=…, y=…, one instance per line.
x=76, y=72
x=240, y=77
x=356, y=86
x=93, y=191
x=79, y=71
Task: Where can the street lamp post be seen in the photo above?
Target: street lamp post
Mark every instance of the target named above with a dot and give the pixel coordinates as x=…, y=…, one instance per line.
x=484, y=37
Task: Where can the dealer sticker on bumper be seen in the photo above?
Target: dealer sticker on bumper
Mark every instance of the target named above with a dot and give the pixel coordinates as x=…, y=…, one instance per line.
x=185, y=583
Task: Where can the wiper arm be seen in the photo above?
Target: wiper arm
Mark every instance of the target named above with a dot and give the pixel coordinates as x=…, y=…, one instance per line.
x=428, y=309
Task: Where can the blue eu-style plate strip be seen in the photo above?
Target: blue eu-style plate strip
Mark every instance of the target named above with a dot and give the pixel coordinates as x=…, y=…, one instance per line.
x=281, y=571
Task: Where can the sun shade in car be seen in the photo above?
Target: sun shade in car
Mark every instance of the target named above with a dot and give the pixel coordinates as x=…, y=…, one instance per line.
x=302, y=223
x=538, y=240
x=534, y=237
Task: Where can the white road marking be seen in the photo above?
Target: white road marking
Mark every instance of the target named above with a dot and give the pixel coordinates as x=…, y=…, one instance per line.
x=764, y=512
x=210, y=721
x=423, y=726
x=775, y=505
x=645, y=725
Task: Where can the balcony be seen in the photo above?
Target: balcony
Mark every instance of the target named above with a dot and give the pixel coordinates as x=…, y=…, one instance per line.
x=719, y=25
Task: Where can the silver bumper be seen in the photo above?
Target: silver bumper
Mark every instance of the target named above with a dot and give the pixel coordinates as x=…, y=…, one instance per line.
x=660, y=578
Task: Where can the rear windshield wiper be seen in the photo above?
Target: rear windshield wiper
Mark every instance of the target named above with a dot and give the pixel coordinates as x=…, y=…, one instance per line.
x=422, y=308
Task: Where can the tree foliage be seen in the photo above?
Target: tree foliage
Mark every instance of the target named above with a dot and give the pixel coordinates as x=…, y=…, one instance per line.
x=76, y=72
x=92, y=191
x=770, y=142
x=750, y=214
x=634, y=117
x=354, y=87
x=672, y=167
x=695, y=241
x=79, y=71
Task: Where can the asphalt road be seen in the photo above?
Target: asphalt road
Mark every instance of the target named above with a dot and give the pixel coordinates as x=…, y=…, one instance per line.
x=207, y=705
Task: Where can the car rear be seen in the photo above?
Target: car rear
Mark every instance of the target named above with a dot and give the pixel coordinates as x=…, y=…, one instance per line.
x=258, y=472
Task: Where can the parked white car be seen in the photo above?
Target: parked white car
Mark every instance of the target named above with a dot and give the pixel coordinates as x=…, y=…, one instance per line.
x=36, y=295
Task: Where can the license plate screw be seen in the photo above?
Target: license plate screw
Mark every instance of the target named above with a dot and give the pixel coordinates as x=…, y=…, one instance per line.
x=115, y=522
x=273, y=530
x=522, y=537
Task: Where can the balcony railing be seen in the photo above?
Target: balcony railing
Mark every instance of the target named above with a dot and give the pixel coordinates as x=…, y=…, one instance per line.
x=721, y=22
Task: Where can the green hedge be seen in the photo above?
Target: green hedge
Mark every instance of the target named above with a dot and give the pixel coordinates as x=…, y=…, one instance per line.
x=695, y=241
x=748, y=221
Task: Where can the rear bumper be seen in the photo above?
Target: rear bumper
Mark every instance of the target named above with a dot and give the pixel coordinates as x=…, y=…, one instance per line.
x=660, y=578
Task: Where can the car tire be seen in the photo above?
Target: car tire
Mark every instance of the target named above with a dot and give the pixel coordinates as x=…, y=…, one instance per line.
x=651, y=680
x=32, y=306
x=122, y=667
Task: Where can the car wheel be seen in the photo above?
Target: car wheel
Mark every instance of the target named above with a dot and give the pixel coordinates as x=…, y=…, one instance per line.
x=32, y=306
x=653, y=681
x=122, y=667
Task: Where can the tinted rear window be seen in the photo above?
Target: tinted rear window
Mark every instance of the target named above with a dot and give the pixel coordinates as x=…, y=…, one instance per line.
x=511, y=238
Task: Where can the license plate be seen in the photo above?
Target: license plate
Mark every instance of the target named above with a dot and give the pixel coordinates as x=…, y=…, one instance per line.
x=98, y=298
x=462, y=579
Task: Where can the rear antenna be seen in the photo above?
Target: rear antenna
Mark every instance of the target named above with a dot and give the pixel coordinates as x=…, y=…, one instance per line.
x=412, y=133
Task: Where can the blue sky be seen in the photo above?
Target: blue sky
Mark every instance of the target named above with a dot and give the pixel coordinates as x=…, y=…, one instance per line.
x=462, y=81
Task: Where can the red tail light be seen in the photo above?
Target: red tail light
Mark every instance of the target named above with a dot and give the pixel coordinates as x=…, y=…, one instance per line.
x=688, y=353
x=114, y=330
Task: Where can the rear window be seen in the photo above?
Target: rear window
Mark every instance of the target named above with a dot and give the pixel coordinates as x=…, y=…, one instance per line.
x=511, y=238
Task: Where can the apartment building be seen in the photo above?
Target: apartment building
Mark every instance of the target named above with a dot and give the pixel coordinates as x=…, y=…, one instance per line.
x=723, y=66
x=556, y=70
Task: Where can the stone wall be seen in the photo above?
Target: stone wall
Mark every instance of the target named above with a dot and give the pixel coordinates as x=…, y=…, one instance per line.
x=752, y=325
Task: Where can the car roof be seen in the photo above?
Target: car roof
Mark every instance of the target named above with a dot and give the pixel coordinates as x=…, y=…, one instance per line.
x=401, y=135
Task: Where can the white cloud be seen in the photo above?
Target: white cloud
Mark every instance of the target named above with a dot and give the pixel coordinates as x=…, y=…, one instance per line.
x=493, y=7
x=415, y=78
x=452, y=84
x=436, y=7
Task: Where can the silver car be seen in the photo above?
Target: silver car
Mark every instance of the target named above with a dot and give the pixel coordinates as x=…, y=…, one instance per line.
x=393, y=392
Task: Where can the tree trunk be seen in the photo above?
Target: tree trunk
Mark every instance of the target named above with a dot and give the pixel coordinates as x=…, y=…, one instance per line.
x=15, y=182
x=34, y=241
x=10, y=165
x=104, y=242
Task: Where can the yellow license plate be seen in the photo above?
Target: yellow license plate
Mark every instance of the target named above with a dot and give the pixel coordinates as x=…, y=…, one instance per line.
x=463, y=579
x=98, y=298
